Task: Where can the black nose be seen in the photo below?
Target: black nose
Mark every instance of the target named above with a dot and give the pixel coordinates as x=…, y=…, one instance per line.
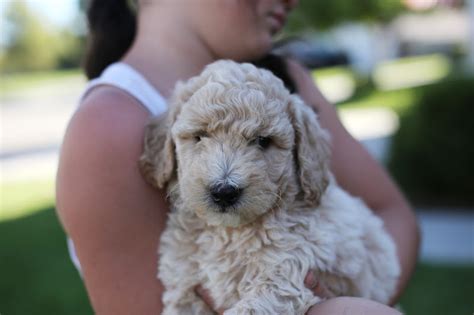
x=225, y=195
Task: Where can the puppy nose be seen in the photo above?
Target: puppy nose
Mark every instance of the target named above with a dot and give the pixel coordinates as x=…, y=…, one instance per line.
x=225, y=195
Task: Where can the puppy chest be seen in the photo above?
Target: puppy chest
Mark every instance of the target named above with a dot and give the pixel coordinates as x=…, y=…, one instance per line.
x=230, y=265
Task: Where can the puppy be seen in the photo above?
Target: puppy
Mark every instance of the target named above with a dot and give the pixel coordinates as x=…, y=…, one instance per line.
x=254, y=205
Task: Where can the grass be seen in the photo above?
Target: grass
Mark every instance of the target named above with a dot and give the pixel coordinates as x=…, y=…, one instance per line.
x=411, y=71
x=19, y=82
x=398, y=100
x=440, y=290
x=38, y=277
x=20, y=198
x=395, y=84
x=363, y=93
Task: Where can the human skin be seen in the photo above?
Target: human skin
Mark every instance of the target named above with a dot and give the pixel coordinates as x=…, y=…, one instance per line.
x=351, y=306
x=115, y=218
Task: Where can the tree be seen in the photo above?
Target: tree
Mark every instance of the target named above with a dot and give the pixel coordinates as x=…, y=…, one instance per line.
x=33, y=44
x=323, y=14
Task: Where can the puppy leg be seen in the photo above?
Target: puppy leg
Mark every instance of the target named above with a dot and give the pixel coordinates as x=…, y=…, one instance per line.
x=179, y=275
x=180, y=283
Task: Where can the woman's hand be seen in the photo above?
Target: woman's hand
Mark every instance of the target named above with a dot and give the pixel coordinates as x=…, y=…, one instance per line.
x=310, y=282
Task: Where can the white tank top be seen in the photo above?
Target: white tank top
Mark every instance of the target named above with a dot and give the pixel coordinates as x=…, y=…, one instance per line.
x=124, y=77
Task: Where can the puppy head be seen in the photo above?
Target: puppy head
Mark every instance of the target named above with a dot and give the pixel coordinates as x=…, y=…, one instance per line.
x=240, y=144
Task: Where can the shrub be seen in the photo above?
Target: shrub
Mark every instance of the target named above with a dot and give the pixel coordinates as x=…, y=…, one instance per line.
x=432, y=155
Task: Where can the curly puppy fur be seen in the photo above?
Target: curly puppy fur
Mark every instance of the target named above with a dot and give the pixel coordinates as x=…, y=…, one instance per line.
x=236, y=127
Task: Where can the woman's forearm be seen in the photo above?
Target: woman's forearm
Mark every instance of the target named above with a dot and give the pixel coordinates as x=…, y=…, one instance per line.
x=401, y=223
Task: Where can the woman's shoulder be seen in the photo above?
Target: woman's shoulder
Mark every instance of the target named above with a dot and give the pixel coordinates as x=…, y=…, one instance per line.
x=107, y=114
x=113, y=101
x=108, y=122
x=101, y=147
x=108, y=125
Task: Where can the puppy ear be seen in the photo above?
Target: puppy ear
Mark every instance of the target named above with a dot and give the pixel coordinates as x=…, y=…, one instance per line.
x=157, y=162
x=312, y=151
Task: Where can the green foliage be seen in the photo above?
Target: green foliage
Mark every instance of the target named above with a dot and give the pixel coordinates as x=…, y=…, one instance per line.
x=323, y=14
x=33, y=44
x=432, y=153
x=69, y=49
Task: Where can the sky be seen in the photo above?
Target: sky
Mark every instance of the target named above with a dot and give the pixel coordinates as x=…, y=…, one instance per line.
x=58, y=12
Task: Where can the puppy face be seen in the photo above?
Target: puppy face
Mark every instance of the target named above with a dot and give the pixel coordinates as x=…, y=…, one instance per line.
x=239, y=144
x=233, y=150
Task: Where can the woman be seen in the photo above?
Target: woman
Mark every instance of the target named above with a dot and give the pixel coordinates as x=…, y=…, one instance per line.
x=113, y=217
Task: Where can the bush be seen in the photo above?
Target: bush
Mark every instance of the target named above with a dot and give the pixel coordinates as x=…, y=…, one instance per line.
x=432, y=155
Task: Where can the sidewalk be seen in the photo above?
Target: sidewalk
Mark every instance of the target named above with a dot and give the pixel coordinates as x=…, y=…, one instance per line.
x=33, y=125
x=447, y=236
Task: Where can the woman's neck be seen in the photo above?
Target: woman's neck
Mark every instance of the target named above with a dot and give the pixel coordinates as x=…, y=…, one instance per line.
x=166, y=53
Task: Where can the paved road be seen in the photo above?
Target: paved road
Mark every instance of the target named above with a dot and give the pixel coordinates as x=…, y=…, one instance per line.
x=32, y=125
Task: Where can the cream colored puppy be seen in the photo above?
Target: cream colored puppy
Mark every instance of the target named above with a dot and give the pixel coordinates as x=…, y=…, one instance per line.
x=254, y=205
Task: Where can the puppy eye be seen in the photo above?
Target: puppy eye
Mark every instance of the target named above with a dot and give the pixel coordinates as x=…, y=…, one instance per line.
x=198, y=136
x=263, y=142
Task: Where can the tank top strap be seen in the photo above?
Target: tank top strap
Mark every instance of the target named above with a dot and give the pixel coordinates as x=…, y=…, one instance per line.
x=126, y=78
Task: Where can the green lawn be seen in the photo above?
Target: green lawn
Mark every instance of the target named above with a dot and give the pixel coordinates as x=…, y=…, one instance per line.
x=38, y=278
x=440, y=290
x=18, y=82
x=20, y=198
x=395, y=84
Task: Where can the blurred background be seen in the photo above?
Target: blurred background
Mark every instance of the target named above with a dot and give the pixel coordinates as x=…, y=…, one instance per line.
x=399, y=72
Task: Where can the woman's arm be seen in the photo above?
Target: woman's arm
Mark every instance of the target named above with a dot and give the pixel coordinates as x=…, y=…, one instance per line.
x=358, y=173
x=111, y=214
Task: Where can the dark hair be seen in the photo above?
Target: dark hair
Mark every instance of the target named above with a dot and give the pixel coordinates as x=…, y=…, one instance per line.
x=277, y=65
x=112, y=27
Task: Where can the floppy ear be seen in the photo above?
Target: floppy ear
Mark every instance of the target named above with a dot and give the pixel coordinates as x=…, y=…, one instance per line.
x=312, y=151
x=157, y=162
